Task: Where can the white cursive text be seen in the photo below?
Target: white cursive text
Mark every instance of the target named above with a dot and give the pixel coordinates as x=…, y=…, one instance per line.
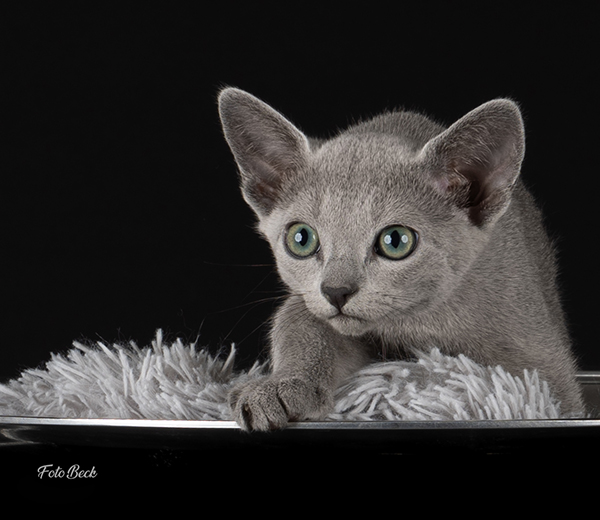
x=73, y=472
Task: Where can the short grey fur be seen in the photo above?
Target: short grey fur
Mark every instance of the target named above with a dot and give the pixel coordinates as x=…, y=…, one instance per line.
x=480, y=281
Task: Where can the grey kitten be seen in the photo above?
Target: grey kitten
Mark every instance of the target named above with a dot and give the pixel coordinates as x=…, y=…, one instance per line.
x=397, y=233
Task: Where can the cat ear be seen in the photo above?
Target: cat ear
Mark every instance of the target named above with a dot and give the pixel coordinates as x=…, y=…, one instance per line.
x=478, y=159
x=266, y=146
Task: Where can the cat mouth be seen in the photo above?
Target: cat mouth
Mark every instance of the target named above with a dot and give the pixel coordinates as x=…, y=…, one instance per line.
x=348, y=325
x=344, y=316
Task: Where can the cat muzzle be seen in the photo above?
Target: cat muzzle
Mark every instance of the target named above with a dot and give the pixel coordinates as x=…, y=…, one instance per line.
x=338, y=296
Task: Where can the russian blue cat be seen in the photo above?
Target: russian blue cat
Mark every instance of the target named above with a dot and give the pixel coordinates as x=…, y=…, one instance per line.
x=397, y=233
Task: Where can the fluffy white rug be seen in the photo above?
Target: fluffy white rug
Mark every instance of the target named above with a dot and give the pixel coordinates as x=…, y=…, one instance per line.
x=177, y=381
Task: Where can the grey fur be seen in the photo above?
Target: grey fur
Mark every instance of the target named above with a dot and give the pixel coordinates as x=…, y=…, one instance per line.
x=481, y=281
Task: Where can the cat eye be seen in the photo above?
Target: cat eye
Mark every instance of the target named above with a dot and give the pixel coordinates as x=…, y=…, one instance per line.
x=301, y=240
x=396, y=242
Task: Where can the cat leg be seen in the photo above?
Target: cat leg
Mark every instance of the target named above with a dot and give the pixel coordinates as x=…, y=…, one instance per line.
x=271, y=402
x=309, y=359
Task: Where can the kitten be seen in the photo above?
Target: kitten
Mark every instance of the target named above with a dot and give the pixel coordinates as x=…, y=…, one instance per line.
x=398, y=233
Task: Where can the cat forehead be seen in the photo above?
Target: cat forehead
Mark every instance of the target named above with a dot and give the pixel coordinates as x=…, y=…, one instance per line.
x=356, y=155
x=353, y=194
x=351, y=171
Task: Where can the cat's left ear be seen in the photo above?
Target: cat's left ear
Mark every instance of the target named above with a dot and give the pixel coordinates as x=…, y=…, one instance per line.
x=478, y=159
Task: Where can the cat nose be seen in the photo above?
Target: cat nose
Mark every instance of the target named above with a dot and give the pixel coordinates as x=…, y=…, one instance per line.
x=338, y=296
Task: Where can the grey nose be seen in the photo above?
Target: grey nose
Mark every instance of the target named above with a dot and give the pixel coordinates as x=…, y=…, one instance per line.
x=338, y=296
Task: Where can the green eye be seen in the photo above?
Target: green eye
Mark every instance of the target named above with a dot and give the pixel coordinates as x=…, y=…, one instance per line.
x=396, y=242
x=301, y=240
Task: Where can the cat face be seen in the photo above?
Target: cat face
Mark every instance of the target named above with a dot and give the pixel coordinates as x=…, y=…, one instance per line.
x=382, y=222
x=362, y=241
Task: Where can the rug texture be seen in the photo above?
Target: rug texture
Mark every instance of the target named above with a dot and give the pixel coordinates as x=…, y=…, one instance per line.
x=182, y=381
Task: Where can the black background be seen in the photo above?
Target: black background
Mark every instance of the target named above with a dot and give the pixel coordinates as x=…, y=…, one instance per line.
x=120, y=209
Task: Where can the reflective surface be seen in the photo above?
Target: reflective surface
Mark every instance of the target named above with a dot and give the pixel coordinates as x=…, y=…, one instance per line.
x=403, y=437
x=372, y=437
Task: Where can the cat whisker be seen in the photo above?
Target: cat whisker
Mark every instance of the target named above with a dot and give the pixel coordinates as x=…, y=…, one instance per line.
x=264, y=322
x=254, y=303
x=305, y=314
x=206, y=262
x=295, y=319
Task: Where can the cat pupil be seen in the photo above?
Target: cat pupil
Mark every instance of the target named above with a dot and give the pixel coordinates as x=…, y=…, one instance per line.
x=301, y=237
x=394, y=238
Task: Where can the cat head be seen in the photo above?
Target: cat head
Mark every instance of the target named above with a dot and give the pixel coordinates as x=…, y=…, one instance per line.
x=383, y=219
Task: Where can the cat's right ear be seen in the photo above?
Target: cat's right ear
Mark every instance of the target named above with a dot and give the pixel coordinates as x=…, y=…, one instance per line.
x=266, y=146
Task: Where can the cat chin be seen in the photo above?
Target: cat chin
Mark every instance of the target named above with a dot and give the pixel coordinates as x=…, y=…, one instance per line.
x=348, y=325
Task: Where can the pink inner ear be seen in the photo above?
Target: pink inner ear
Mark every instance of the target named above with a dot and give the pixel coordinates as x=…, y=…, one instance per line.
x=262, y=186
x=461, y=184
x=472, y=188
x=451, y=180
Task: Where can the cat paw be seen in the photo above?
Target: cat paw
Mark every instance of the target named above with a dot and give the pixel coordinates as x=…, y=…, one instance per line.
x=269, y=404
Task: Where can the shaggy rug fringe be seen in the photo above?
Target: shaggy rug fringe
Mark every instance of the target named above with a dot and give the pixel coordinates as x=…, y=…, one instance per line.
x=178, y=381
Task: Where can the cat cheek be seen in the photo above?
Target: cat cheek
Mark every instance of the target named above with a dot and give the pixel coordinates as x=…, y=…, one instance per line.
x=316, y=306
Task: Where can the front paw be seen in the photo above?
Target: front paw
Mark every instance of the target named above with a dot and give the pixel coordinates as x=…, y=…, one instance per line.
x=269, y=404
